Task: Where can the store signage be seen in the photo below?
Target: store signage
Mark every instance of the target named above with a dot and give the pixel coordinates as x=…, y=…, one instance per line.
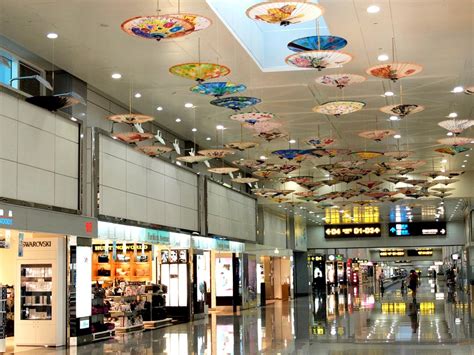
x=420, y=252
x=417, y=229
x=318, y=330
x=119, y=247
x=352, y=230
x=174, y=256
x=37, y=244
x=384, y=253
x=6, y=218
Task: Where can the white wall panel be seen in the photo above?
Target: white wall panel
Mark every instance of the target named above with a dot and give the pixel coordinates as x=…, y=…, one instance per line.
x=136, y=179
x=136, y=207
x=42, y=150
x=113, y=202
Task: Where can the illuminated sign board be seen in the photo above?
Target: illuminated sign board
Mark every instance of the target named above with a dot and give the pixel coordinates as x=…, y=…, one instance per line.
x=352, y=230
x=420, y=252
x=417, y=229
x=384, y=253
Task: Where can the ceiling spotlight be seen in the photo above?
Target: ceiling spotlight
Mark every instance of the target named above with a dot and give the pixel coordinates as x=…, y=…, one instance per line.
x=52, y=35
x=178, y=120
x=327, y=175
x=263, y=157
x=116, y=76
x=292, y=141
x=449, y=134
x=457, y=90
x=389, y=93
x=453, y=115
x=466, y=155
x=138, y=95
x=382, y=57
x=373, y=9
x=159, y=108
x=397, y=136
x=463, y=166
x=208, y=138
x=220, y=127
x=188, y=105
x=194, y=129
x=444, y=161
x=465, y=161
x=393, y=118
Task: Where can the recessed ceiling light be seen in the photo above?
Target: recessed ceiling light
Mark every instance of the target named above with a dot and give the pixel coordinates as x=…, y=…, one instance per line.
x=397, y=136
x=463, y=166
x=472, y=142
x=116, y=76
x=449, y=134
x=138, y=95
x=382, y=57
x=220, y=127
x=263, y=157
x=444, y=161
x=178, y=120
x=373, y=9
x=389, y=93
x=453, y=115
x=194, y=129
x=457, y=90
x=393, y=118
x=327, y=175
x=208, y=138
x=159, y=108
x=188, y=105
x=466, y=155
x=52, y=35
x=292, y=141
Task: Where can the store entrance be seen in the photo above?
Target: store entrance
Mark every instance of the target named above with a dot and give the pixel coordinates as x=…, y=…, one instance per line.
x=276, y=278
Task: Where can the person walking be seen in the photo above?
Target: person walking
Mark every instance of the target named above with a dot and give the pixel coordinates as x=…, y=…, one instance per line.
x=413, y=283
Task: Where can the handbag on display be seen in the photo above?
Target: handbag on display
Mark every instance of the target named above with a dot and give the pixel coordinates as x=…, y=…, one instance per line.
x=103, y=272
x=104, y=258
x=141, y=258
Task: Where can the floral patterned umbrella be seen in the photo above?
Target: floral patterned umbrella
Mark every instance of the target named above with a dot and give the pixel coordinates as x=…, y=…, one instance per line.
x=318, y=59
x=340, y=80
x=199, y=22
x=332, y=152
x=366, y=155
x=394, y=71
x=331, y=182
x=218, y=88
x=452, y=150
x=370, y=183
x=396, y=179
x=249, y=163
x=252, y=117
x=157, y=27
x=312, y=43
x=236, y=103
x=337, y=108
x=377, y=135
x=265, y=126
x=193, y=159
x=199, y=71
x=130, y=118
x=223, y=170
x=451, y=173
x=216, y=153
x=456, y=126
x=272, y=135
x=399, y=154
x=447, y=181
x=415, y=182
x=402, y=110
x=298, y=179
x=265, y=192
x=286, y=168
x=265, y=173
x=133, y=137
x=244, y=180
x=241, y=145
x=350, y=164
x=154, y=150
x=284, y=12
x=290, y=154
x=320, y=142
x=312, y=185
x=380, y=194
x=404, y=164
x=455, y=141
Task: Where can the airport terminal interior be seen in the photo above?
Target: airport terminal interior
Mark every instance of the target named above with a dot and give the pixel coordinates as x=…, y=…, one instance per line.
x=236, y=177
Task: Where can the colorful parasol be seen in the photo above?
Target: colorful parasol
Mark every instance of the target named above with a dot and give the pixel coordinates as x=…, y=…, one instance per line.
x=380, y=194
x=320, y=142
x=406, y=164
x=236, y=102
x=244, y=180
x=252, y=117
x=218, y=88
x=223, y=170
x=265, y=173
x=199, y=22
x=157, y=27
x=281, y=199
x=415, y=182
x=249, y=163
x=443, y=190
x=154, y=150
x=298, y=179
x=265, y=192
x=370, y=183
x=312, y=185
x=291, y=154
x=264, y=126
x=241, y=145
x=455, y=141
x=272, y=135
x=366, y=154
x=469, y=90
x=216, y=153
x=193, y=159
x=377, y=135
x=396, y=179
x=340, y=80
x=287, y=168
x=312, y=43
x=399, y=154
x=456, y=126
x=331, y=182
x=394, y=71
x=199, y=71
x=402, y=110
x=350, y=164
x=284, y=12
x=133, y=137
x=338, y=108
x=452, y=150
x=130, y=118
x=348, y=178
x=318, y=59
x=333, y=152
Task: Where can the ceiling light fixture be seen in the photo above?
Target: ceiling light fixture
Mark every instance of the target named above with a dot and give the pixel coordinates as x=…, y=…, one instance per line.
x=393, y=118
x=457, y=90
x=116, y=76
x=389, y=93
x=449, y=134
x=292, y=141
x=220, y=127
x=373, y=9
x=188, y=105
x=382, y=57
x=159, y=108
x=208, y=138
x=52, y=35
x=178, y=120
x=397, y=136
x=194, y=129
x=453, y=115
x=263, y=157
x=463, y=166
x=138, y=95
x=444, y=161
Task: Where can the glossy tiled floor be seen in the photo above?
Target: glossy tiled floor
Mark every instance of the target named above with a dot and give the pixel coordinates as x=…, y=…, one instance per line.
x=356, y=321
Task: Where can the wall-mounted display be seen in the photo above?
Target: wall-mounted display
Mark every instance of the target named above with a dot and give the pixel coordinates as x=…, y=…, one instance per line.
x=417, y=229
x=224, y=278
x=352, y=230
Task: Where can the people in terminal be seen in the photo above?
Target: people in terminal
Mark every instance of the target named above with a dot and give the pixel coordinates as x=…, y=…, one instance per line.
x=413, y=283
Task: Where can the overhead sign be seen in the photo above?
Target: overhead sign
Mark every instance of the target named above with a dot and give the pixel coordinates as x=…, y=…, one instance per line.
x=384, y=253
x=352, y=230
x=417, y=229
x=420, y=252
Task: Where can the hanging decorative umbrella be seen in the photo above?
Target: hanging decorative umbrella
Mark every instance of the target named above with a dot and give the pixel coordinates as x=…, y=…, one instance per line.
x=456, y=126
x=317, y=153
x=331, y=182
x=415, y=182
x=443, y=190
x=130, y=118
x=241, y=145
x=216, y=153
x=348, y=178
x=451, y=173
x=394, y=71
x=218, y=88
x=291, y=154
x=265, y=126
x=395, y=179
x=350, y=164
x=193, y=159
x=406, y=164
x=157, y=27
x=340, y=80
x=133, y=137
x=447, y=181
x=199, y=22
x=455, y=141
x=318, y=59
x=199, y=71
x=265, y=174
x=55, y=102
x=284, y=12
x=377, y=135
x=312, y=43
x=223, y=170
x=366, y=154
x=298, y=179
x=432, y=174
x=249, y=163
x=451, y=150
x=287, y=168
x=282, y=192
x=337, y=108
x=272, y=135
x=244, y=180
x=312, y=185
x=281, y=199
x=469, y=90
x=320, y=142
x=333, y=152
x=252, y=117
x=380, y=194
x=370, y=184
x=399, y=154
x=402, y=110
x=236, y=102
x=265, y=192
x=154, y=150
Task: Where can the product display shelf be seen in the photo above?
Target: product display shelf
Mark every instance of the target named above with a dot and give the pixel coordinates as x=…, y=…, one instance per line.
x=127, y=321
x=36, y=292
x=99, y=318
x=3, y=318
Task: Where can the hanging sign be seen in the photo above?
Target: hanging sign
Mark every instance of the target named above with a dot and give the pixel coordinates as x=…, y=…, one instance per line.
x=420, y=252
x=352, y=230
x=417, y=229
x=384, y=253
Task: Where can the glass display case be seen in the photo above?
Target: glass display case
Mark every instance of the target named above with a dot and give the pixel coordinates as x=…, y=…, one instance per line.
x=36, y=291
